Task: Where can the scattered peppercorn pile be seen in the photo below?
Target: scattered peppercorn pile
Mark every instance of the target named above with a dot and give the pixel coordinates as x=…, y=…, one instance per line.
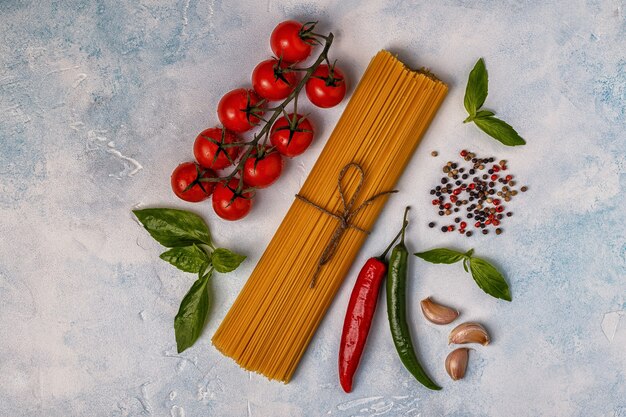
x=482, y=188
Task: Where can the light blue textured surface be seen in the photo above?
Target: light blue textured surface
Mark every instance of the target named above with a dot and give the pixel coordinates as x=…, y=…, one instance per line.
x=99, y=100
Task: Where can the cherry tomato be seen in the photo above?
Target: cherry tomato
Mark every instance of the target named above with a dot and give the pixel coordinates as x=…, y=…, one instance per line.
x=271, y=81
x=238, y=110
x=292, y=41
x=188, y=173
x=292, y=135
x=227, y=204
x=210, y=151
x=326, y=87
x=263, y=171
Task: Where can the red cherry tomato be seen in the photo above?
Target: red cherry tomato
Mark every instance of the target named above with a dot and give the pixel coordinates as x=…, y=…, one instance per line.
x=228, y=204
x=263, y=171
x=292, y=41
x=238, y=110
x=292, y=136
x=210, y=151
x=326, y=87
x=188, y=173
x=271, y=81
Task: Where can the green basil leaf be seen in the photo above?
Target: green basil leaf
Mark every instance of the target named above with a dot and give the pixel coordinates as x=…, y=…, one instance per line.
x=477, y=86
x=174, y=228
x=187, y=258
x=441, y=256
x=226, y=261
x=192, y=314
x=499, y=130
x=484, y=113
x=489, y=279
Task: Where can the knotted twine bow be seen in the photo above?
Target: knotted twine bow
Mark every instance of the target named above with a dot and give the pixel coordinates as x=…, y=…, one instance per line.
x=345, y=216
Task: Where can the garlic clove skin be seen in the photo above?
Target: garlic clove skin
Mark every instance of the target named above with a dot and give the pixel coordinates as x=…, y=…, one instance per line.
x=456, y=363
x=438, y=313
x=469, y=332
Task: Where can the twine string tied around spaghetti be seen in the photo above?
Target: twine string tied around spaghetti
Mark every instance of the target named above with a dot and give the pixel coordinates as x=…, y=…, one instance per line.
x=344, y=216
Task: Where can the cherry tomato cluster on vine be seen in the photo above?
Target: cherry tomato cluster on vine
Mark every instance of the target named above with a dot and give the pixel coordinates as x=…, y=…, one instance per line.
x=259, y=162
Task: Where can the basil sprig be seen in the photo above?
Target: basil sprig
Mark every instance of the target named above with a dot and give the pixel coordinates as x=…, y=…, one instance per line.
x=191, y=250
x=475, y=95
x=488, y=278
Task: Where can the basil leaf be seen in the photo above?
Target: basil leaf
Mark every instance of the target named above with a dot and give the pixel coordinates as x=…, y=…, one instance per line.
x=192, y=314
x=174, y=228
x=441, y=256
x=499, y=130
x=484, y=113
x=225, y=260
x=188, y=258
x=477, y=86
x=489, y=279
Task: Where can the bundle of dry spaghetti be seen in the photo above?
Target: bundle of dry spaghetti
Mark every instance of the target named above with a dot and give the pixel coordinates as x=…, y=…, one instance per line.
x=277, y=312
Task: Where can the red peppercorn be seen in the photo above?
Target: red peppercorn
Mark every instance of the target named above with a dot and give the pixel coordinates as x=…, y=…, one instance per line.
x=453, y=198
x=477, y=224
x=500, y=209
x=463, y=225
x=496, y=222
x=496, y=168
x=457, y=191
x=435, y=202
x=494, y=177
x=503, y=168
x=496, y=202
x=488, y=221
x=447, y=206
x=472, y=186
x=450, y=228
x=463, y=153
x=508, y=177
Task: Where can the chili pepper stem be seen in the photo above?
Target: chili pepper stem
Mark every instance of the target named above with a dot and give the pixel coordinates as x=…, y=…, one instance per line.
x=383, y=256
x=405, y=223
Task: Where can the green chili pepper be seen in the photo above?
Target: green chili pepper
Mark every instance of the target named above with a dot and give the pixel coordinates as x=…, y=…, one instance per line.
x=396, y=311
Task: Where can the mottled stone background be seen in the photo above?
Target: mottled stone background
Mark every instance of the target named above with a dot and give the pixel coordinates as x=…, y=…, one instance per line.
x=99, y=100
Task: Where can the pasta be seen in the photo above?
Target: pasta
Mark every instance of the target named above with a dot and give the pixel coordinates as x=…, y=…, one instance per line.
x=276, y=313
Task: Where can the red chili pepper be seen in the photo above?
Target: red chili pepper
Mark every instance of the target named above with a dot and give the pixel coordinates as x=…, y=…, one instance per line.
x=361, y=307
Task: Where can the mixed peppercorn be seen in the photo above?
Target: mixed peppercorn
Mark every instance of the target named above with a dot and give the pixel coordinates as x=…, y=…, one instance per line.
x=480, y=189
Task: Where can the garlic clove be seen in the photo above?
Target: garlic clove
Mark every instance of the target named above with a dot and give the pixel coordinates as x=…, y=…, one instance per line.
x=456, y=363
x=438, y=313
x=469, y=332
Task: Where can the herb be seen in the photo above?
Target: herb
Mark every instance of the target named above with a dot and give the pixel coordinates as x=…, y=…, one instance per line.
x=488, y=278
x=191, y=316
x=225, y=260
x=191, y=251
x=475, y=95
x=174, y=228
x=187, y=258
